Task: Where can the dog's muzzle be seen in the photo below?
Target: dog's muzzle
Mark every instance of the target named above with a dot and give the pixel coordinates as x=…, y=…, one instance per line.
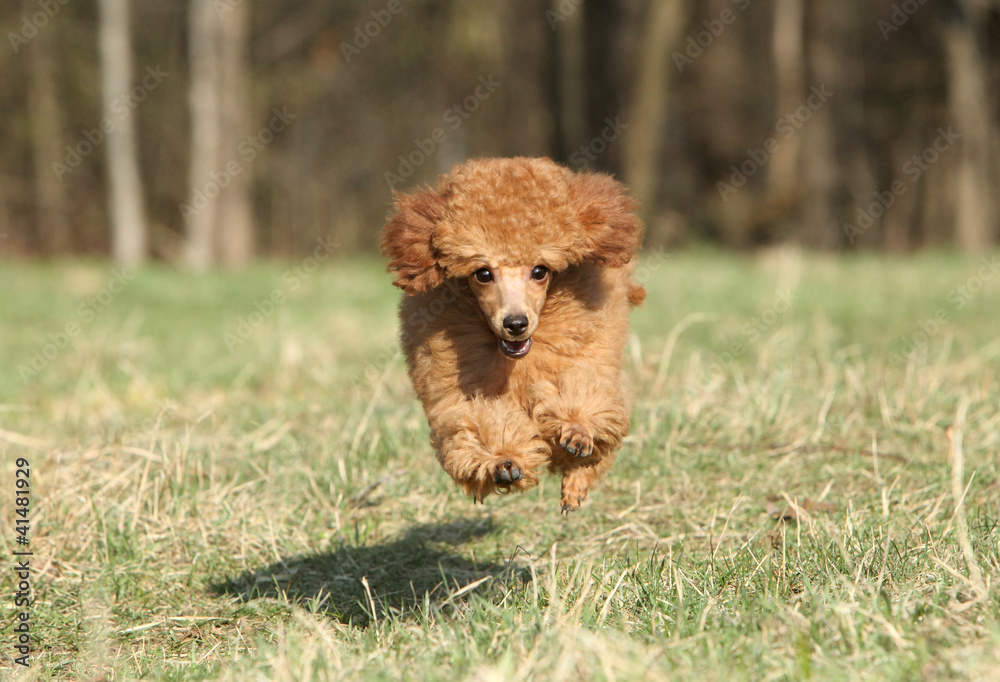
x=515, y=349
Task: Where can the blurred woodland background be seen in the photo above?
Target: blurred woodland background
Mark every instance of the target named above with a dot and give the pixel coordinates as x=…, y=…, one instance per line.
x=213, y=131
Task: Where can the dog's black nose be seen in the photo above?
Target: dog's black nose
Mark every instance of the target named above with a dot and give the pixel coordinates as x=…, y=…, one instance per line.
x=515, y=324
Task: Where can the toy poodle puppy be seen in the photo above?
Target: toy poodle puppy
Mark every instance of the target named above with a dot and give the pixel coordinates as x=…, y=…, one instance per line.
x=518, y=275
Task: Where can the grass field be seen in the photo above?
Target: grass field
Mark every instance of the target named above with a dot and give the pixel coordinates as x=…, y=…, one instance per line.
x=231, y=478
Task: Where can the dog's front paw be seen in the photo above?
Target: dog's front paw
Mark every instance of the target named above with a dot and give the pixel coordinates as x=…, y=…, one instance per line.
x=576, y=440
x=507, y=473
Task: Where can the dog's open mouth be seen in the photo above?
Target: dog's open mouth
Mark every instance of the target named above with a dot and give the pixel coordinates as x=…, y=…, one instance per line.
x=515, y=349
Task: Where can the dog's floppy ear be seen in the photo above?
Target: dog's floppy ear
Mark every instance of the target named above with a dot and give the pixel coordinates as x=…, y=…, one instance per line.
x=406, y=241
x=612, y=232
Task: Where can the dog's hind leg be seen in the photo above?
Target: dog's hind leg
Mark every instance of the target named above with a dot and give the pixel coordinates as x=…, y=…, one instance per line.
x=579, y=476
x=584, y=416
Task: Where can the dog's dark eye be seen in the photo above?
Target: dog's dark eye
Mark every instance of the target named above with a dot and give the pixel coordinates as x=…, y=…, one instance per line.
x=539, y=272
x=483, y=275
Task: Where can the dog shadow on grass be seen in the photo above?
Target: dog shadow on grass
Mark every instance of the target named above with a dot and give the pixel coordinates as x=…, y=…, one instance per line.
x=396, y=577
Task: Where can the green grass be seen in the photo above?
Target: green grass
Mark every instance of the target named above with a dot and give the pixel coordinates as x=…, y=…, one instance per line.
x=785, y=507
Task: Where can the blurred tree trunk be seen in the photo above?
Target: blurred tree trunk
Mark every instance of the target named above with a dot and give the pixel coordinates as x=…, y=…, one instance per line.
x=822, y=174
x=564, y=46
x=899, y=232
x=235, y=218
x=789, y=81
x=858, y=173
x=645, y=117
x=603, y=84
x=219, y=219
x=127, y=213
x=204, y=99
x=780, y=210
x=727, y=128
x=45, y=119
x=969, y=105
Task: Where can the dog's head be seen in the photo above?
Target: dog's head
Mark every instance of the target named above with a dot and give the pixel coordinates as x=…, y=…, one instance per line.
x=507, y=226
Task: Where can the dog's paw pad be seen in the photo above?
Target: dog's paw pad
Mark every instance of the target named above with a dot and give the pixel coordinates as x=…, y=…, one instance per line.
x=507, y=474
x=576, y=440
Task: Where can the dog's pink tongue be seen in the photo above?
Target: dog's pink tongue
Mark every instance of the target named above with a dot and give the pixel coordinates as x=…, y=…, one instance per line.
x=515, y=349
